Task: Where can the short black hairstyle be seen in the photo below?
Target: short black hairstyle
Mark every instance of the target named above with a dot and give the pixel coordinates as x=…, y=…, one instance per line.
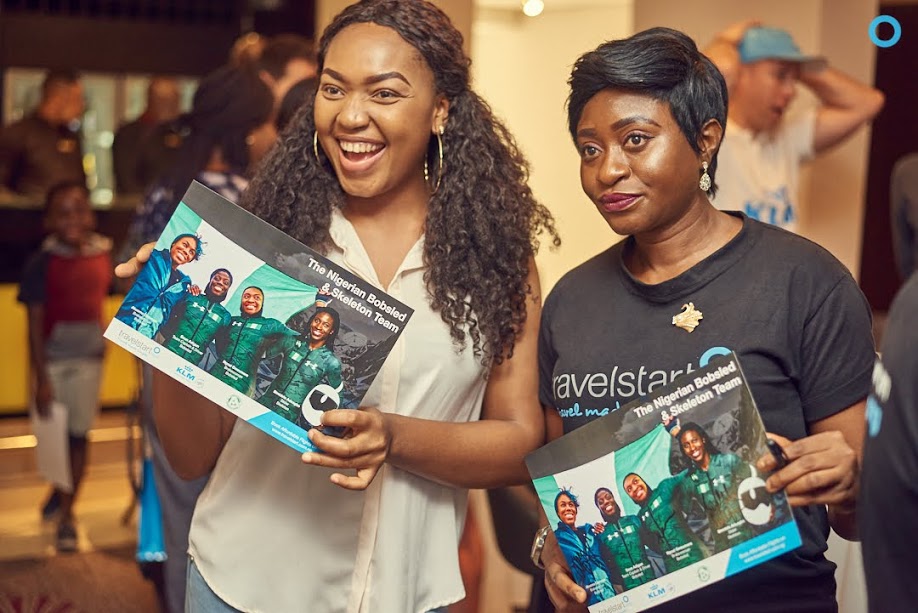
x=58, y=188
x=58, y=76
x=244, y=290
x=333, y=335
x=662, y=63
x=618, y=508
x=281, y=49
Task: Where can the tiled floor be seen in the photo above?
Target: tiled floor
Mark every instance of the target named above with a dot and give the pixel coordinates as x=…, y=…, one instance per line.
x=101, y=508
x=106, y=519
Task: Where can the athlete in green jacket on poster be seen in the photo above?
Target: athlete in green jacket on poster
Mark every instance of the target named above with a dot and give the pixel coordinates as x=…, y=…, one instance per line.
x=241, y=345
x=713, y=481
x=662, y=517
x=622, y=539
x=308, y=361
x=197, y=319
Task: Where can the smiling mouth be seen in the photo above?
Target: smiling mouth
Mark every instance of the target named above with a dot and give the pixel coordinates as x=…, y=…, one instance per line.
x=359, y=151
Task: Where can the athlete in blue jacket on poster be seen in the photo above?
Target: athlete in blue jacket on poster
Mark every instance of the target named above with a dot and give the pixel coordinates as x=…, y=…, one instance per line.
x=581, y=549
x=160, y=286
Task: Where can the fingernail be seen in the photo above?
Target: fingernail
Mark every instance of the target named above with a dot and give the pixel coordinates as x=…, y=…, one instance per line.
x=307, y=457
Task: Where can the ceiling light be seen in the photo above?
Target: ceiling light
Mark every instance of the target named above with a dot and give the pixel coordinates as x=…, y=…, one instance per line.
x=532, y=8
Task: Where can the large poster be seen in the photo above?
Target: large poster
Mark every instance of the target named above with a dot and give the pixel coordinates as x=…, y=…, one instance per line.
x=662, y=497
x=255, y=321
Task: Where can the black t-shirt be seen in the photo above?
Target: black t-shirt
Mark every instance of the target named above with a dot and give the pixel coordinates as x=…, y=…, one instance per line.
x=889, y=479
x=800, y=326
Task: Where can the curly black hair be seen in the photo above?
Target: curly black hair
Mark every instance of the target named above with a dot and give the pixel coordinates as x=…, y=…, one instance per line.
x=482, y=221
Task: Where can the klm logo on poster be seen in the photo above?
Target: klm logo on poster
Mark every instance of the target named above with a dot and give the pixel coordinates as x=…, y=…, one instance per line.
x=186, y=372
x=775, y=208
x=657, y=591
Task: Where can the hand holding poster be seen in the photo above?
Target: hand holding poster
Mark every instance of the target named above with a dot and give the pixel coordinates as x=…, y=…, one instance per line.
x=662, y=497
x=255, y=321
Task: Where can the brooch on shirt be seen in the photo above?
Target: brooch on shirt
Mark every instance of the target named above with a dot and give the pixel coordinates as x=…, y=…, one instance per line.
x=688, y=318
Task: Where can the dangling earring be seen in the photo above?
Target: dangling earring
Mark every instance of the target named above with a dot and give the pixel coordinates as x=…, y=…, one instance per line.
x=705, y=181
x=315, y=145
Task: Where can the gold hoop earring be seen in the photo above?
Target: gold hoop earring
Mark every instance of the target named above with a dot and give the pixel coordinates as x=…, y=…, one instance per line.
x=705, y=181
x=315, y=145
x=439, y=160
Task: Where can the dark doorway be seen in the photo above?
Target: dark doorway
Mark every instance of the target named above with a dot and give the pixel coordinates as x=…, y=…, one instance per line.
x=895, y=133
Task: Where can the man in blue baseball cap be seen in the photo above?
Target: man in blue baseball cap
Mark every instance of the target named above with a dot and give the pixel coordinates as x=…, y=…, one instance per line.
x=762, y=149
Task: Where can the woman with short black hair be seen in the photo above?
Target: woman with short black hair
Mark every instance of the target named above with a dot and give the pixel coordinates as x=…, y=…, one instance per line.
x=689, y=282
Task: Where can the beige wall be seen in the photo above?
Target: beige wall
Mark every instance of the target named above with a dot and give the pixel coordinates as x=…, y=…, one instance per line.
x=521, y=66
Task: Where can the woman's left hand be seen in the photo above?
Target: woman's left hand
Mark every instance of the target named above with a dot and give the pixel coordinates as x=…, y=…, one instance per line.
x=364, y=447
x=821, y=469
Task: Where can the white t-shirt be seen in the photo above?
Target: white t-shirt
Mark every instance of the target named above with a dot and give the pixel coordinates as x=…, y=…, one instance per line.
x=274, y=535
x=759, y=174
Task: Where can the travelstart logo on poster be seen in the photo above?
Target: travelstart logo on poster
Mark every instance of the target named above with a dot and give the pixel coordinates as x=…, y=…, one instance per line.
x=615, y=607
x=140, y=344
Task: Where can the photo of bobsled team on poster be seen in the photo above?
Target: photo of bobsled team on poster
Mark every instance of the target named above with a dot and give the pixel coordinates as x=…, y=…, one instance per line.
x=266, y=335
x=678, y=494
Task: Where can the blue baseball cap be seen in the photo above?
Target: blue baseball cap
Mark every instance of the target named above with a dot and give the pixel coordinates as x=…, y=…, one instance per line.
x=762, y=43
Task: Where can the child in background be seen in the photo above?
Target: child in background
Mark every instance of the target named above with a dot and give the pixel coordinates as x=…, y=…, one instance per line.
x=63, y=287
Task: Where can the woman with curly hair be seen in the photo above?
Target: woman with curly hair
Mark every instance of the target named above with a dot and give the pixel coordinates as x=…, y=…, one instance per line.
x=401, y=174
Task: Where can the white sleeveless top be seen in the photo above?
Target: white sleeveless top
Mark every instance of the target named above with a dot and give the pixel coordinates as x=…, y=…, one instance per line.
x=272, y=534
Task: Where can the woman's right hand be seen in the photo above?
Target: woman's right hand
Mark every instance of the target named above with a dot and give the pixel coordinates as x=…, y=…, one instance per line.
x=132, y=267
x=567, y=596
